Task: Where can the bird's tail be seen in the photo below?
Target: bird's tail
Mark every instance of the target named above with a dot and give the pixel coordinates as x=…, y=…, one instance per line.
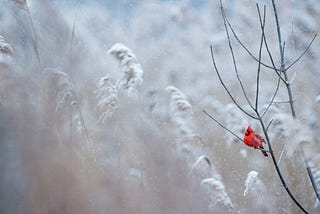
x=264, y=152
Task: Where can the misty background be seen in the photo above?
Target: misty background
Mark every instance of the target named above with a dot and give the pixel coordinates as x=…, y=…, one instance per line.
x=149, y=155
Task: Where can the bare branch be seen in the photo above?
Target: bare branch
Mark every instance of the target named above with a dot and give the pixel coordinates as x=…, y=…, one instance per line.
x=292, y=111
x=244, y=46
x=262, y=24
x=269, y=124
x=223, y=126
x=272, y=98
x=310, y=174
x=278, y=32
x=225, y=87
x=282, y=102
x=293, y=77
x=303, y=53
x=260, y=53
x=233, y=57
x=284, y=71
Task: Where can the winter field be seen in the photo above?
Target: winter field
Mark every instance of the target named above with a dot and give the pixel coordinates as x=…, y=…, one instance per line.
x=110, y=106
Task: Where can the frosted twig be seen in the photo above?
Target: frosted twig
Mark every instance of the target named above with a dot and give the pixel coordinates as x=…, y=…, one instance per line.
x=181, y=111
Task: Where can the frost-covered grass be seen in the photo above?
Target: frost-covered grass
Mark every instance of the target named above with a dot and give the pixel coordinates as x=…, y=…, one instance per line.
x=109, y=119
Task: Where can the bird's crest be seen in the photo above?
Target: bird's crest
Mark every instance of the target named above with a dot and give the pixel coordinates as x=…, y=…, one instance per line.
x=248, y=131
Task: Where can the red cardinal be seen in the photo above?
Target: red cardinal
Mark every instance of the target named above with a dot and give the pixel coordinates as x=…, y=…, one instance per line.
x=254, y=140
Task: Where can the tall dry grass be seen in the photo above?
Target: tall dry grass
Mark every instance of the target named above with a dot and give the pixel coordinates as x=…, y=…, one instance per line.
x=155, y=151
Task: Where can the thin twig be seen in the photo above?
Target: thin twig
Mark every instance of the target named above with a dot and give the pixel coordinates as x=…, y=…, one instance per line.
x=86, y=134
x=282, y=152
x=282, y=102
x=225, y=87
x=245, y=47
x=278, y=72
x=282, y=67
x=262, y=24
x=35, y=37
x=293, y=77
x=272, y=99
x=310, y=174
x=260, y=53
x=269, y=124
x=72, y=34
x=233, y=57
x=303, y=53
x=223, y=126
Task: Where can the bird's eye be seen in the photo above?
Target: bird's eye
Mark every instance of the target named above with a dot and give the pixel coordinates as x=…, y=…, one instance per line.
x=247, y=133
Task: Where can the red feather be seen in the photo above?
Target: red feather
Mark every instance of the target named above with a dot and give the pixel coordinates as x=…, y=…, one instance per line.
x=254, y=140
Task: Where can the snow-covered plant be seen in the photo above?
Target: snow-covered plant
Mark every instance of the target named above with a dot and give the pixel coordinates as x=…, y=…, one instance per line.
x=106, y=93
x=181, y=111
x=5, y=52
x=65, y=95
x=200, y=165
x=317, y=99
x=293, y=131
x=20, y=3
x=132, y=72
x=5, y=47
x=251, y=181
x=217, y=192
